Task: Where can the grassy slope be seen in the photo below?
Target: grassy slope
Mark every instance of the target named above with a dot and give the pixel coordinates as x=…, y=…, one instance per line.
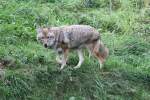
x=31, y=71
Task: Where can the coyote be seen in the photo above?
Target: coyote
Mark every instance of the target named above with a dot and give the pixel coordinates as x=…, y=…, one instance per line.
x=74, y=37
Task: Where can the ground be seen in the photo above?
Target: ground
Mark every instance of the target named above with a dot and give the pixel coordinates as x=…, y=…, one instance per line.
x=31, y=72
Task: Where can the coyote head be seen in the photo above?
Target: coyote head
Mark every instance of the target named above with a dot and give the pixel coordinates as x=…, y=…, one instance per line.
x=46, y=37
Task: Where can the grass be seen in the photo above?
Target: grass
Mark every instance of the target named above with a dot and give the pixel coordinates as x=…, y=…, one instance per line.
x=31, y=72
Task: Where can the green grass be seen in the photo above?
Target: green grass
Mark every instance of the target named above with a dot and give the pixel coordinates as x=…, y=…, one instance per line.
x=31, y=72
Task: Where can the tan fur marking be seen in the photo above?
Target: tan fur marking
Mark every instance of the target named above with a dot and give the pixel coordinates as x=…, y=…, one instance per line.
x=98, y=55
x=45, y=32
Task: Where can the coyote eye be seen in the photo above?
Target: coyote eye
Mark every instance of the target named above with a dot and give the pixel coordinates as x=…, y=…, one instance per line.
x=50, y=37
x=42, y=38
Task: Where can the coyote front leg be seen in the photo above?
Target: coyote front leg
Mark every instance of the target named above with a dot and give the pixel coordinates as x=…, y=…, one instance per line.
x=59, y=59
x=81, y=59
x=64, y=59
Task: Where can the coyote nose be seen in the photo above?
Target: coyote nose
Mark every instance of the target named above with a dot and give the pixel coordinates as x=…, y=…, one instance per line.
x=45, y=45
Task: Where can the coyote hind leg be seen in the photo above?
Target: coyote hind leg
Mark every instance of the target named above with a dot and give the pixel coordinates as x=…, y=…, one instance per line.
x=90, y=49
x=97, y=54
x=100, y=59
x=81, y=59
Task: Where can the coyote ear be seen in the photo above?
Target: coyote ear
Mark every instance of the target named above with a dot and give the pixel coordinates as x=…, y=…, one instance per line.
x=49, y=28
x=39, y=30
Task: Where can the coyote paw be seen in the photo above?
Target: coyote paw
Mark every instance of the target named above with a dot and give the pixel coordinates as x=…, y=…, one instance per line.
x=62, y=66
x=101, y=66
x=76, y=67
x=59, y=62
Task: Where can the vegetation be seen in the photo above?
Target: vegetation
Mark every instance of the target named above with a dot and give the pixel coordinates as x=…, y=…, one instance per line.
x=31, y=73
